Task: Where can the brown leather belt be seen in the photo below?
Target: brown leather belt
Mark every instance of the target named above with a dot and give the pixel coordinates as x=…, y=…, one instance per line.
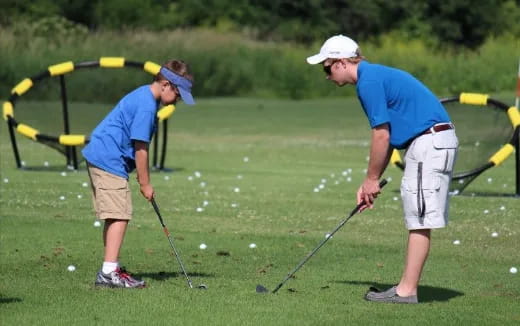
x=438, y=128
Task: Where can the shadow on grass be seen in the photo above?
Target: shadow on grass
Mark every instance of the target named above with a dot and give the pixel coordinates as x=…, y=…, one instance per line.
x=10, y=300
x=161, y=276
x=426, y=293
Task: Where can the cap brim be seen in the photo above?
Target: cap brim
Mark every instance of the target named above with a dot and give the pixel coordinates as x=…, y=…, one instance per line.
x=186, y=96
x=315, y=59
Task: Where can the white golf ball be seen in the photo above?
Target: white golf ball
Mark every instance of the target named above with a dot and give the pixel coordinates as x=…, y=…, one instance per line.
x=197, y=174
x=321, y=186
x=203, y=246
x=502, y=208
x=200, y=209
x=513, y=270
x=23, y=163
x=456, y=242
x=202, y=184
x=344, y=173
x=389, y=179
x=45, y=163
x=323, y=180
x=316, y=189
x=234, y=205
x=205, y=203
x=84, y=184
x=252, y=245
x=6, y=180
x=486, y=211
x=396, y=198
x=494, y=234
x=166, y=177
x=80, y=196
x=236, y=189
x=62, y=197
x=246, y=159
x=489, y=180
x=97, y=224
x=349, y=179
x=71, y=268
x=63, y=174
x=190, y=178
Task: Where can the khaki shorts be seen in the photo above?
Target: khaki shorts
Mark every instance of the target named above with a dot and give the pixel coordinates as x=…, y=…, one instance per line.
x=110, y=194
x=425, y=185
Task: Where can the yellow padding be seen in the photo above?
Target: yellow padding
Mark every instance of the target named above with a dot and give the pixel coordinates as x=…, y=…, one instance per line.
x=27, y=131
x=514, y=116
x=61, y=68
x=473, y=98
x=72, y=140
x=502, y=154
x=22, y=87
x=8, y=110
x=165, y=112
x=152, y=67
x=112, y=62
x=396, y=157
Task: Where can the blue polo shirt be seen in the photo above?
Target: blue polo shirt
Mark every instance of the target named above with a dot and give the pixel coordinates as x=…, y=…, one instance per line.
x=111, y=145
x=389, y=95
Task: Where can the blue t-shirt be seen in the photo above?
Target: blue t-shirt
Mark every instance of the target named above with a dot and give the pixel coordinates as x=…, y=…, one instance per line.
x=393, y=96
x=111, y=145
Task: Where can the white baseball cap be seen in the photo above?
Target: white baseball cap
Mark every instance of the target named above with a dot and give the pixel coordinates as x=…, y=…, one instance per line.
x=337, y=47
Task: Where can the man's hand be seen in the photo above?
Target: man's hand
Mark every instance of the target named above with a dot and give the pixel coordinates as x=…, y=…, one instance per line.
x=367, y=193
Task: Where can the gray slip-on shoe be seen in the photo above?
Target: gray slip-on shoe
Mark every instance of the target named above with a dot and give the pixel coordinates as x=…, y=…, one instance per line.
x=389, y=296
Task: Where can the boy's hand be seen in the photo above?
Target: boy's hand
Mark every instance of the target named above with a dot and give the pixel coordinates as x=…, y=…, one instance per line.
x=147, y=191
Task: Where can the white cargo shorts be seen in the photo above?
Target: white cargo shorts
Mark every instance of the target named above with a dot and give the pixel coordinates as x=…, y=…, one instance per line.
x=429, y=162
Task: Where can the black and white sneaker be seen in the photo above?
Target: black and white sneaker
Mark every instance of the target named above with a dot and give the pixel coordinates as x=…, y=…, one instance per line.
x=119, y=278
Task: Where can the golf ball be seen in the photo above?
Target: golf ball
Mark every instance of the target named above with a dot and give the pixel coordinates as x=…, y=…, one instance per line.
x=6, y=180
x=246, y=159
x=486, y=211
x=62, y=197
x=197, y=174
x=502, y=208
x=349, y=179
x=316, y=189
x=166, y=177
x=190, y=178
x=84, y=184
x=205, y=203
x=236, y=189
x=239, y=177
x=80, y=196
x=71, y=268
x=321, y=186
x=97, y=224
x=203, y=246
x=45, y=163
x=456, y=242
x=200, y=209
x=395, y=198
x=234, y=205
x=63, y=174
x=513, y=270
x=202, y=184
x=489, y=180
x=494, y=234
x=252, y=245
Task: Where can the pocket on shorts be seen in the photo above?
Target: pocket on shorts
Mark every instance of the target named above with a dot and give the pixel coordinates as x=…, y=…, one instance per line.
x=410, y=194
x=113, y=196
x=445, y=139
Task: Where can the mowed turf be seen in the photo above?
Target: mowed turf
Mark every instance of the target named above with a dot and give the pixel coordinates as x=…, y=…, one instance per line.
x=259, y=163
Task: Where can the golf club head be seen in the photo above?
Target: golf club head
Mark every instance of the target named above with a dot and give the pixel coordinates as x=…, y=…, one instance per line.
x=261, y=289
x=202, y=286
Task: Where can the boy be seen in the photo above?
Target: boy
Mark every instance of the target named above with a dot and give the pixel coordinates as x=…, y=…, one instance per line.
x=404, y=114
x=118, y=145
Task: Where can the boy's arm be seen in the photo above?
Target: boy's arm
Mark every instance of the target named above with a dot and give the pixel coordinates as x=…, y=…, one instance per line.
x=143, y=174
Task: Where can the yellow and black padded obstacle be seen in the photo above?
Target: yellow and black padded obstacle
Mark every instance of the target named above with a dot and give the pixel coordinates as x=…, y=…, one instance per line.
x=67, y=142
x=488, y=132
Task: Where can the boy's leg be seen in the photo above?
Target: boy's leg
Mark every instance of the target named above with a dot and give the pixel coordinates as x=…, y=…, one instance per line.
x=416, y=255
x=113, y=236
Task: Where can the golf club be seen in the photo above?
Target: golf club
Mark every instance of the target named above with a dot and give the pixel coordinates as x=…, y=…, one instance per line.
x=165, y=229
x=262, y=289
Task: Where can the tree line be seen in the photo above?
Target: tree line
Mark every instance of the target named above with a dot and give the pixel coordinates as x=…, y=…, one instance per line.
x=453, y=23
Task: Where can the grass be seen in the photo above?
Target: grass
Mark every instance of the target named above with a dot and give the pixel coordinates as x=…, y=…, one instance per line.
x=291, y=146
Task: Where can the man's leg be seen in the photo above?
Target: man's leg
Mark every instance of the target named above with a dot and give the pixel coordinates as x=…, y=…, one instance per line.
x=113, y=236
x=416, y=255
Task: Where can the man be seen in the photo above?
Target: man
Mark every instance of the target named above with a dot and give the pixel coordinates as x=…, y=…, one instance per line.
x=403, y=114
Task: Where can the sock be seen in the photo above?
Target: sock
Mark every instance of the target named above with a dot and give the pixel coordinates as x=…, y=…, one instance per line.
x=109, y=267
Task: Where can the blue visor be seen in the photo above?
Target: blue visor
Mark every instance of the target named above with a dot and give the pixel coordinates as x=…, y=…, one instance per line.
x=183, y=84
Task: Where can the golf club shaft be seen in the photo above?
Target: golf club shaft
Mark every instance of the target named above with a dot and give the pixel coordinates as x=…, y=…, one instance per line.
x=170, y=239
x=354, y=211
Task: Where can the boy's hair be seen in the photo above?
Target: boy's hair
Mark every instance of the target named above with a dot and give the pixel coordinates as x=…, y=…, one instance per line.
x=177, y=66
x=358, y=58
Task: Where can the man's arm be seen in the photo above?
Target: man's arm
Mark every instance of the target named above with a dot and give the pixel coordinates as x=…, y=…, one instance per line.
x=141, y=164
x=380, y=151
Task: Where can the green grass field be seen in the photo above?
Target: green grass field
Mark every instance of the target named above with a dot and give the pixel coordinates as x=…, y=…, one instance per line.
x=290, y=146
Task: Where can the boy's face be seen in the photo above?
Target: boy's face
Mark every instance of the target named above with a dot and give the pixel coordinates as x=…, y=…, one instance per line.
x=337, y=71
x=169, y=93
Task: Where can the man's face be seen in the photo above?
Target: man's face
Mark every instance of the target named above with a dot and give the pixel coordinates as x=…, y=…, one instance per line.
x=337, y=71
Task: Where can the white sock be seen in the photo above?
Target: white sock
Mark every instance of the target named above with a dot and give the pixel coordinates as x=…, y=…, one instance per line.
x=109, y=267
